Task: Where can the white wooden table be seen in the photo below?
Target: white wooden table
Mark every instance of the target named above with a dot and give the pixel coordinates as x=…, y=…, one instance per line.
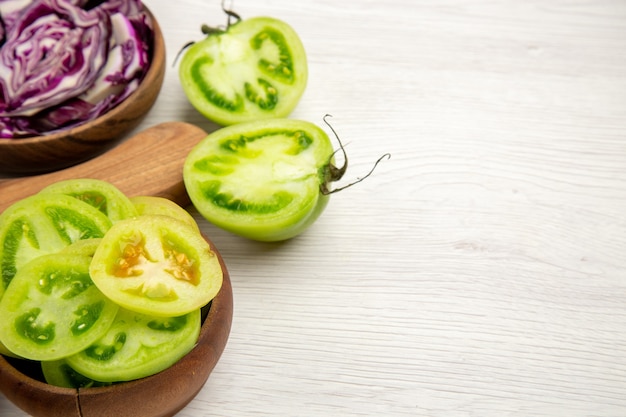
x=481, y=271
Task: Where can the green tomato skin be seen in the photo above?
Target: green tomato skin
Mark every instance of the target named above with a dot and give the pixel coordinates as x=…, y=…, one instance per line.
x=60, y=374
x=260, y=180
x=298, y=229
x=277, y=232
x=257, y=69
x=137, y=346
x=4, y=351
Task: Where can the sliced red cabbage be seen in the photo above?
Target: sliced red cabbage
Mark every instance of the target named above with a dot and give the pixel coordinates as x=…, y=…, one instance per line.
x=125, y=61
x=64, y=62
x=10, y=10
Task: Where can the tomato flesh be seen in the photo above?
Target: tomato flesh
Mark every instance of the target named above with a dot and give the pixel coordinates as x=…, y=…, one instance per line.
x=159, y=205
x=256, y=69
x=52, y=309
x=44, y=224
x=158, y=265
x=100, y=194
x=137, y=346
x=260, y=179
x=86, y=247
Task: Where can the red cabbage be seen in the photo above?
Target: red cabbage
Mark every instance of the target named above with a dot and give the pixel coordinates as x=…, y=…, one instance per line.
x=65, y=62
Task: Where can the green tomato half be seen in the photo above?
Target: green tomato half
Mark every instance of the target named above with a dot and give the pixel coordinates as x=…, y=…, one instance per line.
x=262, y=180
x=256, y=69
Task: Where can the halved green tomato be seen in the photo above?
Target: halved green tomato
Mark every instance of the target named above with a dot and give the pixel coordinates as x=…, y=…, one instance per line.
x=100, y=194
x=260, y=179
x=42, y=224
x=60, y=374
x=156, y=265
x=146, y=204
x=255, y=69
x=137, y=346
x=52, y=309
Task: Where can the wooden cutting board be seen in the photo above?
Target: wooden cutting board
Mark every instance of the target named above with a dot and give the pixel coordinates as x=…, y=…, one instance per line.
x=149, y=163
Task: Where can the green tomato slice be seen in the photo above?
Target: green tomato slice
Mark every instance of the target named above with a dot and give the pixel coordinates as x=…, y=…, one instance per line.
x=156, y=265
x=42, y=224
x=260, y=179
x=146, y=204
x=137, y=346
x=6, y=352
x=100, y=194
x=85, y=247
x=256, y=69
x=52, y=309
x=60, y=374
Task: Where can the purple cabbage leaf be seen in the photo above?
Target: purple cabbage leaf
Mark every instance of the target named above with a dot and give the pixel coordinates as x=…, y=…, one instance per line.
x=63, y=63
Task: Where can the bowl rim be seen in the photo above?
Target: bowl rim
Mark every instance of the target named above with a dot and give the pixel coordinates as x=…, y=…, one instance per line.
x=148, y=81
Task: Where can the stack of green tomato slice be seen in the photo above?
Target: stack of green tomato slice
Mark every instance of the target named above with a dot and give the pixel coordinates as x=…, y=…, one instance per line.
x=99, y=287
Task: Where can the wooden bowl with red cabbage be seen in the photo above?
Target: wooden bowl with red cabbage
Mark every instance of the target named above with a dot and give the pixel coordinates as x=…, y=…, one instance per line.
x=75, y=77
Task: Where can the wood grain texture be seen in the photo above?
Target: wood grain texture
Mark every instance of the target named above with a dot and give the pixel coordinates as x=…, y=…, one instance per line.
x=149, y=163
x=480, y=271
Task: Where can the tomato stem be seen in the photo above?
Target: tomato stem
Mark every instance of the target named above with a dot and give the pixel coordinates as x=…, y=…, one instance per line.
x=185, y=46
x=230, y=14
x=334, y=173
x=210, y=30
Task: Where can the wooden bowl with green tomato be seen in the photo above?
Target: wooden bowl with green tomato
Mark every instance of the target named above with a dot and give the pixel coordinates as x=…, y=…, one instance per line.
x=114, y=79
x=125, y=310
x=162, y=394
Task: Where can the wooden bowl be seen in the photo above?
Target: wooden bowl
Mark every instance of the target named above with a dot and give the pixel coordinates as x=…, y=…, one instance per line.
x=39, y=154
x=160, y=395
